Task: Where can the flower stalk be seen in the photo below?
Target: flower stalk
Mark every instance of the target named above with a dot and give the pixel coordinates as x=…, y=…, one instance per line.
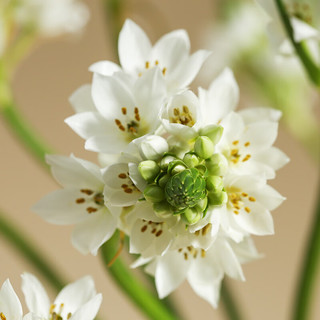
x=311, y=68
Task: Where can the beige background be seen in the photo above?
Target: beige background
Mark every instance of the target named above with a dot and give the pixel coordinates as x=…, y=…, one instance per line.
x=42, y=85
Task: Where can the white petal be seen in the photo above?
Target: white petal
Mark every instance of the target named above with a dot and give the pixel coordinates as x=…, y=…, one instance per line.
x=74, y=172
x=134, y=46
x=116, y=175
x=108, y=143
x=135, y=176
x=260, y=114
x=302, y=30
x=110, y=95
x=75, y=294
x=171, y=49
x=269, y=197
x=89, y=310
x=118, y=197
x=273, y=157
x=171, y=271
x=10, y=305
x=187, y=71
x=245, y=250
x=221, y=98
x=89, y=235
x=81, y=99
x=35, y=295
x=60, y=207
x=233, y=127
x=105, y=68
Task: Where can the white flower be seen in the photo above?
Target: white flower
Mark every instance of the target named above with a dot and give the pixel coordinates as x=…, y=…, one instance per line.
x=81, y=202
x=76, y=301
x=125, y=111
x=170, y=54
x=10, y=306
x=52, y=17
x=247, y=211
x=204, y=269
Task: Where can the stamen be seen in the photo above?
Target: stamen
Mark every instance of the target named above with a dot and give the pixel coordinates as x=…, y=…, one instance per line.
x=247, y=144
x=122, y=176
x=156, y=62
x=91, y=209
x=247, y=209
x=206, y=229
x=246, y=158
x=154, y=230
x=128, y=190
x=144, y=228
x=244, y=194
x=69, y=315
x=147, y=64
x=159, y=233
x=2, y=316
x=80, y=200
x=235, y=142
x=87, y=191
x=119, y=124
x=197, y=233
x=236, y=211
x=252, y=199
x=185, y=256
x=124, y=111
x=122, y=235
x=164, y=70
x=52, y=307
x=203, y=253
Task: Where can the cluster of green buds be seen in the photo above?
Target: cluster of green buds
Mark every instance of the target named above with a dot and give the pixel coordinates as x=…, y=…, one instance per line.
x=187, y=185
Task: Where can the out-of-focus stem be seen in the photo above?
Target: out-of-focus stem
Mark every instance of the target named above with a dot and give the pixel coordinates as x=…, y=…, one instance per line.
x=309, y=270
x=311, y=68
x=31, y=253
x=231, y=308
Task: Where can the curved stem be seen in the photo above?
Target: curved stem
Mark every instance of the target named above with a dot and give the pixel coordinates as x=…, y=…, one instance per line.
x=309, y=270
x=147, y=302
x=230, y=306
x=31, y=253
x=311, y=68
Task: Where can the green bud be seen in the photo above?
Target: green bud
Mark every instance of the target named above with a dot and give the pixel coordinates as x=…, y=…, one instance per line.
x=191, y=159
x=162, y=210
x=217, y=165
x=148, y=170
x=213, y=132
x=202, y=170
x=191, y=215
x=204, y=147
x=176, y=166
x=166, y=159
x=202, y=204
x=217, y=198
x=154, y=194
x=214, y=183
x=163, y=179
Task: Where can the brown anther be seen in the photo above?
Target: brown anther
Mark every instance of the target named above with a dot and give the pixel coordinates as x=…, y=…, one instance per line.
x=235, y=211
x=117, y=121
x=247, y=209
x=252, y=199
x=176, y=111
x=80, y=200
x=247, y=144
x=164, y=70
x=124, y=186
x=69, y=315
x=237, y=207
x=147, y=64
x=132, y=130
x=185, y=256
x=206, y=229
x=185, y=109
x=180, y=249
x=190, y=248
x=87, y=191
x=91, y=209
x=203, y=253
x=246, y=158
x=234, y=152
x=128, y=190
x=244, y=194
x=233, y=196
x=52, y=307
x=235, y=142
x=122, y=176
x=154, y=230
x=124, y=111
x=195, y=254
x=144, y=228
x=159, y=233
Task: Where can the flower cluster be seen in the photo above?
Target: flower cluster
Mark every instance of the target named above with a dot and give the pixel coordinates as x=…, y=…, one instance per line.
x=77, y=300
x=183, y=175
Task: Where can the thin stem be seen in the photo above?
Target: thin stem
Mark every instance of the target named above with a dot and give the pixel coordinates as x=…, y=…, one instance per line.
x=31, y=253
x=310, y=67
x=23, y=131
x=147, y=302
x=230, y=306
x=301, y=310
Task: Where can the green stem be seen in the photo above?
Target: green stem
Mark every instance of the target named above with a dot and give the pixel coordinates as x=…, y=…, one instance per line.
x=301, y=310
x=23, y=131
x=147, y=302
x=31, y=253
x=230, y=307
x=310, y=67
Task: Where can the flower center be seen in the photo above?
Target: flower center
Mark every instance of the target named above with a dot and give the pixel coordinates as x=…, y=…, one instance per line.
x=149, y=65
x=93, y=199
x=127, y=186
x=154, y=227
x=239, y=201
x=182, y=116
x=192, y=252
x=56, y=315
x=185, y=189
x=235, y=156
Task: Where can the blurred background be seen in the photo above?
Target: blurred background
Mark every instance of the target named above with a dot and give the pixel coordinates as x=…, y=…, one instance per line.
x=56, y=67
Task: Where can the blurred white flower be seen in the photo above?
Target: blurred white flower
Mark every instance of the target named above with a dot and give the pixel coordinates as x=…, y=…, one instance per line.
x=76, y=301
x=52, y=17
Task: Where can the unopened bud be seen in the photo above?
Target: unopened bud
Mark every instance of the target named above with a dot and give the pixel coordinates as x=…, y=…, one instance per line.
x=214, y=183
x=191, y=215
x=213, y=132
x=176, y=166
x=153, y=194
x=217, y=198
x=163, y=179
x=162, y=210
x=204, y=147
x=164, y=163
x=217, y=165
x=153, y=147
x=191, y=159
x=148, y=170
